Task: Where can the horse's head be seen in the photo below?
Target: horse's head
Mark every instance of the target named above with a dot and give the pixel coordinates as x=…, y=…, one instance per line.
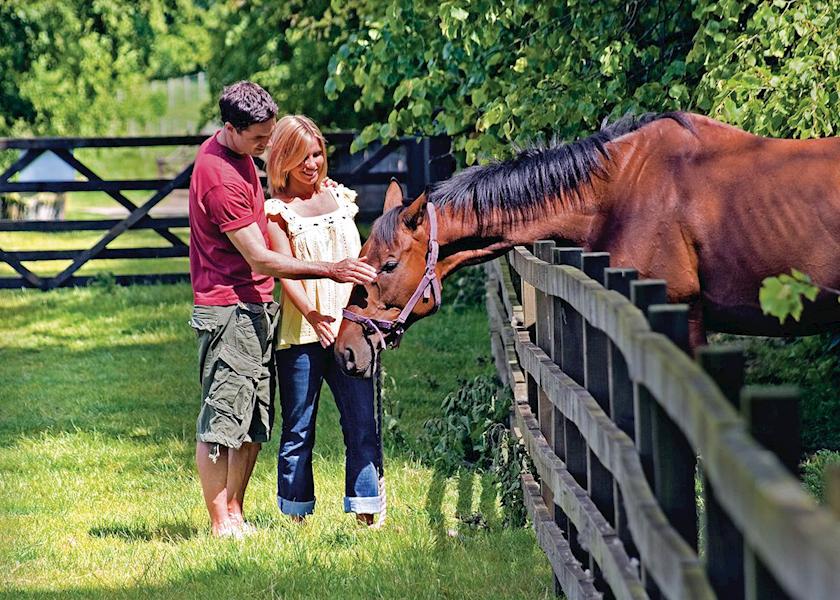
x=403, y=248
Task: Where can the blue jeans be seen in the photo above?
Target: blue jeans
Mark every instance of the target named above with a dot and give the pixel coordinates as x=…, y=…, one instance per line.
x=300, y=371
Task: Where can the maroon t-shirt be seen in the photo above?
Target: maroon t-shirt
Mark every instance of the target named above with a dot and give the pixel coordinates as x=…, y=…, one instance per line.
x=225, y=195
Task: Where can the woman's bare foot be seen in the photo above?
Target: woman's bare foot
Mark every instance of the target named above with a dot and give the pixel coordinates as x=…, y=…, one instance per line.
x=228, y=529
x=244, y=526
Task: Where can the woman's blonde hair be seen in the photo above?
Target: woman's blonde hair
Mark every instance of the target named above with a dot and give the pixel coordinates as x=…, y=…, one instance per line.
x=289, y=147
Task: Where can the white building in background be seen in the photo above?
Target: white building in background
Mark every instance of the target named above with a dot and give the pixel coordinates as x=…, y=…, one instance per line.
x=47, y=167
x=45, y=206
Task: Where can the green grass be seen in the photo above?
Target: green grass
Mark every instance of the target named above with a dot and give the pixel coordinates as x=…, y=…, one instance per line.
x=98, y=492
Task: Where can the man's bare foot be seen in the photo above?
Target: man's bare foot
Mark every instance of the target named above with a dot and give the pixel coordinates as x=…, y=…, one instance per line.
x=300, y=519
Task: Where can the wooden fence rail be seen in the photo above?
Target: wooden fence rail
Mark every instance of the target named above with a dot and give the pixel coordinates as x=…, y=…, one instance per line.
x=614, y=414
x=423, y=160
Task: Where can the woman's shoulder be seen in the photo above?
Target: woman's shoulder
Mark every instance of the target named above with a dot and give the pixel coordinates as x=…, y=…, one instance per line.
x=278, y=206
x=343, y=192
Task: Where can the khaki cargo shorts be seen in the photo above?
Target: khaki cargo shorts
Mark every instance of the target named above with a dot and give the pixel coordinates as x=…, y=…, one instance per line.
x=236, y=371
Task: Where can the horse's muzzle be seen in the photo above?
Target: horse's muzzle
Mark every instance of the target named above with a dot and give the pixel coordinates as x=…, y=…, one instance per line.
x=352, y=351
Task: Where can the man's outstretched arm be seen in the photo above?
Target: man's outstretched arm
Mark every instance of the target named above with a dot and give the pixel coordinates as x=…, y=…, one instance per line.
x=251, y=244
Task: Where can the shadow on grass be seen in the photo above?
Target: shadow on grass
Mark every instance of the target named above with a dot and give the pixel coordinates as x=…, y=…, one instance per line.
x=485, y=517
x=177, y=531
x=434, y=505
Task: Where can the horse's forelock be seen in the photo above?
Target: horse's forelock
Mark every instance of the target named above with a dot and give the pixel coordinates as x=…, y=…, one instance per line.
x=385, y=228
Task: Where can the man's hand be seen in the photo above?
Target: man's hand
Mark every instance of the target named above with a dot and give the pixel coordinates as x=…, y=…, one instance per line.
x=351, y=270
x=321, y=324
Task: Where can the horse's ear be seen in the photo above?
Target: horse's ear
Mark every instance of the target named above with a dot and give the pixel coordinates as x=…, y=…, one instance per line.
x=393, y=195
x=414, y=212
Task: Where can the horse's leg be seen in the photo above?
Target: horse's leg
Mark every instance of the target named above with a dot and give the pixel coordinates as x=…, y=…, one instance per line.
x=696, y=326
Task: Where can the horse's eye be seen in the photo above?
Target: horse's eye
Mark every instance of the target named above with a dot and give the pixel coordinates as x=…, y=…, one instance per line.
x=390, y=266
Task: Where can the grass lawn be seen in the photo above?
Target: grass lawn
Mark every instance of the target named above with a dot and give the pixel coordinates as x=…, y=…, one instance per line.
x=99, y=496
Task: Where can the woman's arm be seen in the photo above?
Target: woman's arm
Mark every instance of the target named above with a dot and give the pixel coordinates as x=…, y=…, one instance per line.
x=297, y=293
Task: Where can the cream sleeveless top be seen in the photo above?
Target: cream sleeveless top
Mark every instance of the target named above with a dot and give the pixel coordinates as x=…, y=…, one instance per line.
x=330, y=237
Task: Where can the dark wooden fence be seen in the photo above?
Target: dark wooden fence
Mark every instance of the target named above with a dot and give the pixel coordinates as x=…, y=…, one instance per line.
x=423, y=160
x=614, y=414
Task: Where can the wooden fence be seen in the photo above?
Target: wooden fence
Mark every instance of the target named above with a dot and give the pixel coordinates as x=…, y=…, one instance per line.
x=614, y=414
x=425, y=160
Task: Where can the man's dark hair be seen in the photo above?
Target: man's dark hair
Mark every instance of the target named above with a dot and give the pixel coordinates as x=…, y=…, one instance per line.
x=244, y=103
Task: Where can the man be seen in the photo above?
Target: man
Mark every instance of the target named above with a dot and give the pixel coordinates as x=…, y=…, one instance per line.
x=232, y=271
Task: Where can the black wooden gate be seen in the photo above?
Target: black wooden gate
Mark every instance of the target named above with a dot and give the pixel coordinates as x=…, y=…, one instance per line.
x=422, y=161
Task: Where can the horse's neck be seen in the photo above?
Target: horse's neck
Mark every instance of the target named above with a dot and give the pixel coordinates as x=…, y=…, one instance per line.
x=462, y=243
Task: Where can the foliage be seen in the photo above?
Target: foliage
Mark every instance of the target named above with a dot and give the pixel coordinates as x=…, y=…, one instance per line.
x=497, y=74
x=462, y=434
x=510, y=460
x=813, y=365
x=493, y=73
x=285, y=47
x=771, y=66
x=782, y=296
x=79, y=67
x=465, y=289
x=471, y=433
x=104, y=281
x=392, y=434
x=814, y=471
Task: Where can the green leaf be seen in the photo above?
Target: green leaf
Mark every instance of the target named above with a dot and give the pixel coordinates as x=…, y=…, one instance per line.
x=459, y=13
x=782, y=296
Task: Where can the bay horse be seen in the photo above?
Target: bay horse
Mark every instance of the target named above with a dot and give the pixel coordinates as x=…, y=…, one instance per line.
x=709, y=208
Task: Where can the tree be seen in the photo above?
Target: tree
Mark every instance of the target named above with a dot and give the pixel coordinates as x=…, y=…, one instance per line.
x=499, y=74
x=75, y=67
x=286, y=47
x=496, y=74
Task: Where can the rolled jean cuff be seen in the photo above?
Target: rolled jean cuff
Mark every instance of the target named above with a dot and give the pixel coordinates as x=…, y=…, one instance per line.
x=364, y=504
x=295, y=509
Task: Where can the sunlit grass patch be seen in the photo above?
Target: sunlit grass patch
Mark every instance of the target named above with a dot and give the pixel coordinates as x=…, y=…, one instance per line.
x=99, y=496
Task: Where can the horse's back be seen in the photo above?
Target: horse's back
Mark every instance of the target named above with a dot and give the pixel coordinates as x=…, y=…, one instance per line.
x=746, y=207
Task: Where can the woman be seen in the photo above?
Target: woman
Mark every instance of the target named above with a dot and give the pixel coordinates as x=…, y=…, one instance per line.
x=314, y=222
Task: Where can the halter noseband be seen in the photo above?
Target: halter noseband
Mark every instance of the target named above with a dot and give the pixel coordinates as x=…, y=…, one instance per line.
x=429, y=286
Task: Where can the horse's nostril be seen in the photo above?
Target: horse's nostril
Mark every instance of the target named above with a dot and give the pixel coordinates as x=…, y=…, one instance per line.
x=348, y=358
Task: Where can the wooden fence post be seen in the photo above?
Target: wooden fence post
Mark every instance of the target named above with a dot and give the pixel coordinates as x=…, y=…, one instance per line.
x=643, y=294
x=596, y=382
x=571, y=362
x=621, y=401
x=529, y=311
x=570, y=256
x=832, y=488
x=772, y=414
x=723, y=542
x=544, y=330
x=569, y=322
x=620, y=386
x=597, y=377
x=544, y=317
x=674, y=460
x=417, y=157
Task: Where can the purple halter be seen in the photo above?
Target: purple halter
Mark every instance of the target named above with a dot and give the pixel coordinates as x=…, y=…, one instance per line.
x=429, y=286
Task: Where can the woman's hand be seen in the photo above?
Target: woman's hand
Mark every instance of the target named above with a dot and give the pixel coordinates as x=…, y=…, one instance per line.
x=321, y=324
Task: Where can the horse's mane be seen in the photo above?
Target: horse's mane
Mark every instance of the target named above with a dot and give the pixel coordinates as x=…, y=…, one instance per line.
x=519, y=187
